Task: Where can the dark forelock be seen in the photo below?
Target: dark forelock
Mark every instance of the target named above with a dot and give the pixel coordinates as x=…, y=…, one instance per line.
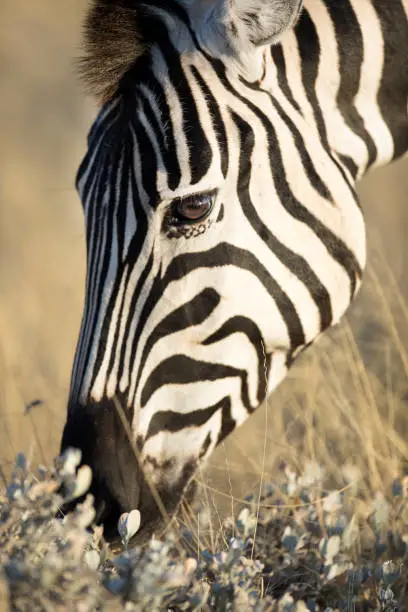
x=116, y=35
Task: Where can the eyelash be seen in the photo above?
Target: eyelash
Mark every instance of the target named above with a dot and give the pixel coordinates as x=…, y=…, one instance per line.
x=188, y=231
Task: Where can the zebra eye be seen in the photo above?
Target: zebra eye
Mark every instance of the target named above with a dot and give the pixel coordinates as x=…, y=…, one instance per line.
x=193, y=209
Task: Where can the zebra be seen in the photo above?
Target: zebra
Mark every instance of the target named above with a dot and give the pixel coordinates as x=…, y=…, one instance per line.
x=223, y=229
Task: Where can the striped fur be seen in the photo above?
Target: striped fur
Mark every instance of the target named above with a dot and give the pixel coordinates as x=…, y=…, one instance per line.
x=189, y=326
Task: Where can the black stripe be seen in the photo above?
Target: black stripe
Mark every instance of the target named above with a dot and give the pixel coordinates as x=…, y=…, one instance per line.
x=167, y=144
x=309, y=50
x=182, y=370
x=171, y=421
x=392, y=95
x=134, y=249
x=90, y=323
x=220, y=213
x=305, y=158
x=95, y=139
x=132, y=309
x=200, y=153
x=228, y=423
x=194, y=312
x=81, y=352
x=336, y=247
x=350, y=49
x=218, y=123
x=279, y=61
x=94, y=245
x=148, y=162
x=291, y=260
x=205, y=446
x=104, y=119
x=243, y=325
x=222, y=254
x=93, y=164
x=351, y=166
x=155, y=293
x=307, y=162
x=118, y=201
x=92, y=168
x=225, y=254
x=103, y=260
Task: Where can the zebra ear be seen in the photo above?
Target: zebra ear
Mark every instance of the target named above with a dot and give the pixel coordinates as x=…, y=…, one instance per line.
x=239, y=25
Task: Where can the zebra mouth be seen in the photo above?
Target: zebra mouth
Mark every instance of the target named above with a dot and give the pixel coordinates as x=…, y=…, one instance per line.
x=119, y=482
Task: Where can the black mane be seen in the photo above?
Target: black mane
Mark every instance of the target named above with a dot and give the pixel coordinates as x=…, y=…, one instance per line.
x=113, y=41
x=116, y=34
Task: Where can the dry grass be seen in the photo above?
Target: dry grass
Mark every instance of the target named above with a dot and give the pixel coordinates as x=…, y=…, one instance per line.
x=344, y=403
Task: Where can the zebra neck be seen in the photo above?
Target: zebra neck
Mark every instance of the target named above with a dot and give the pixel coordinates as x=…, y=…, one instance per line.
x=346, y=66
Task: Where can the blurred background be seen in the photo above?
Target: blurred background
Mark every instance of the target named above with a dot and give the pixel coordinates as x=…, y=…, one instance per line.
x=345, y=401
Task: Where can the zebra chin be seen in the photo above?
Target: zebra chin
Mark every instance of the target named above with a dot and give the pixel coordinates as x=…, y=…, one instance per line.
x=118, y=482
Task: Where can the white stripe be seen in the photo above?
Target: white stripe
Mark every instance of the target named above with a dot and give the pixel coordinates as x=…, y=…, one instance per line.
x=176, y=114
x=341, y=138
x=371, y=74
x=101, y=302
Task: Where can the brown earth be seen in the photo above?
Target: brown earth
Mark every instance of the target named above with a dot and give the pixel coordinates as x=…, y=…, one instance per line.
x=44, y=117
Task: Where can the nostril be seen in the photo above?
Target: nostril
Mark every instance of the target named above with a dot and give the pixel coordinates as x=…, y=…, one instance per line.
x=98, y=431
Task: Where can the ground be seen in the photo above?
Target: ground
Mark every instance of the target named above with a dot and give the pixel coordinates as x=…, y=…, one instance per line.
x=346, y=409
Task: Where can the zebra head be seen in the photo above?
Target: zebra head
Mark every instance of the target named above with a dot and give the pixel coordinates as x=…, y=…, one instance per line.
x=190, y=315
